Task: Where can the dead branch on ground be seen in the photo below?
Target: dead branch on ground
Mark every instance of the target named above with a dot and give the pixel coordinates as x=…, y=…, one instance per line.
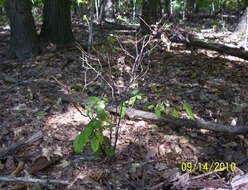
x=32, y=180
x=23, y=143
x=132, y=113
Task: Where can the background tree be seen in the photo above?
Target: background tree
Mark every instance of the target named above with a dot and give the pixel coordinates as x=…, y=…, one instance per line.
x=23, y=38
x=241, y=28
x=169, y=7
x=107, y=11
x=151, y=13
x=56, y=26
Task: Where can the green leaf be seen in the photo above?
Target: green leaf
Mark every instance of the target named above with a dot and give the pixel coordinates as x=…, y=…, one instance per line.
x=132, y=100
x=98, y=124
x=103, y=116
x=106, y=141
x=108, y=126
x=87, y=132
x=94, y=99
x=189, y=111
x=139, y=97
x=100, y=106
x=110, y=152
x=157, y=112
x=104, y=99
x=111, y=39
x=94, y=123
x=79, y=143
x=95, y=144
x=175, y=113
x=160, y=106
x=82, y=139
x=41, y=113
x=91, y=123
x=80, y=1
x=121, y=109
x=99, y=136
x=135, y=91
x=77, y=87
x=88, y=108
x=150, y=106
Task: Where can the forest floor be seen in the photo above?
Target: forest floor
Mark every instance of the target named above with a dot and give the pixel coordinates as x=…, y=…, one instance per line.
x=150, y=155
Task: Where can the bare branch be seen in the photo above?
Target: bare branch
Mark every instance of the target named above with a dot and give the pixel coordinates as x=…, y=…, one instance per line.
x=21, y=144
x=32, y=180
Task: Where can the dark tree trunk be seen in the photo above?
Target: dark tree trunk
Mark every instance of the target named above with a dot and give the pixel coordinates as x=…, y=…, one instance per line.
x=56, y=26
x=77, y=9
x=195, y=7
x=213, y=8
x=151, y=13
x=246, y=3
x=238, y=7
x=23, y=38
x=169, y=9
x=1, y=11
x=107, y=11
x=242, y=25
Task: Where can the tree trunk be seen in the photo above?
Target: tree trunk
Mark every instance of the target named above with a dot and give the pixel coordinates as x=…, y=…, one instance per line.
x=241, y=27
x=245, y=4
x=238, y=8
x=213, y=8
x=134, y=8
x=23, y=38
x=151, y=13
x=1, y=11
x=77, y=9
x=107, y=11
x=56, y=26
x=169, y=8
x=195, y=7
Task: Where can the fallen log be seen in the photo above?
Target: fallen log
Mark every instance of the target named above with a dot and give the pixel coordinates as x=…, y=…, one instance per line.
x=237, y=52
x=116, y=26
x=199, y=124
x=12, y=149
x=195, y=43
x=132, y=113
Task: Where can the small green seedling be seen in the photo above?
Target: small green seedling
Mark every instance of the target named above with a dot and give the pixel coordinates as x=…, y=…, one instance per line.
x=93, y=132
x=189, y=111
x=99, y=121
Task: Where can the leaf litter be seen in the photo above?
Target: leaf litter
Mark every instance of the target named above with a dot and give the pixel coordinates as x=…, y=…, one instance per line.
x=149, y=157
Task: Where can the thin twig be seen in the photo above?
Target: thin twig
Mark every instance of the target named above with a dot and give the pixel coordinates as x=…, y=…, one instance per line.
x=145, y=23
x=61, y=84
x=74, y=181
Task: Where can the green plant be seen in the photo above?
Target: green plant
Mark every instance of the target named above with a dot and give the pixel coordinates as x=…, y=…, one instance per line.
x=93, y=132
x=167, y=26
x=100, y=120
x=111, y=39
x=121, y=109
x=215, y=27
x=161, y=107
x=189, y=111
x=158, y=108
x=123, y=19
x=77, y=87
